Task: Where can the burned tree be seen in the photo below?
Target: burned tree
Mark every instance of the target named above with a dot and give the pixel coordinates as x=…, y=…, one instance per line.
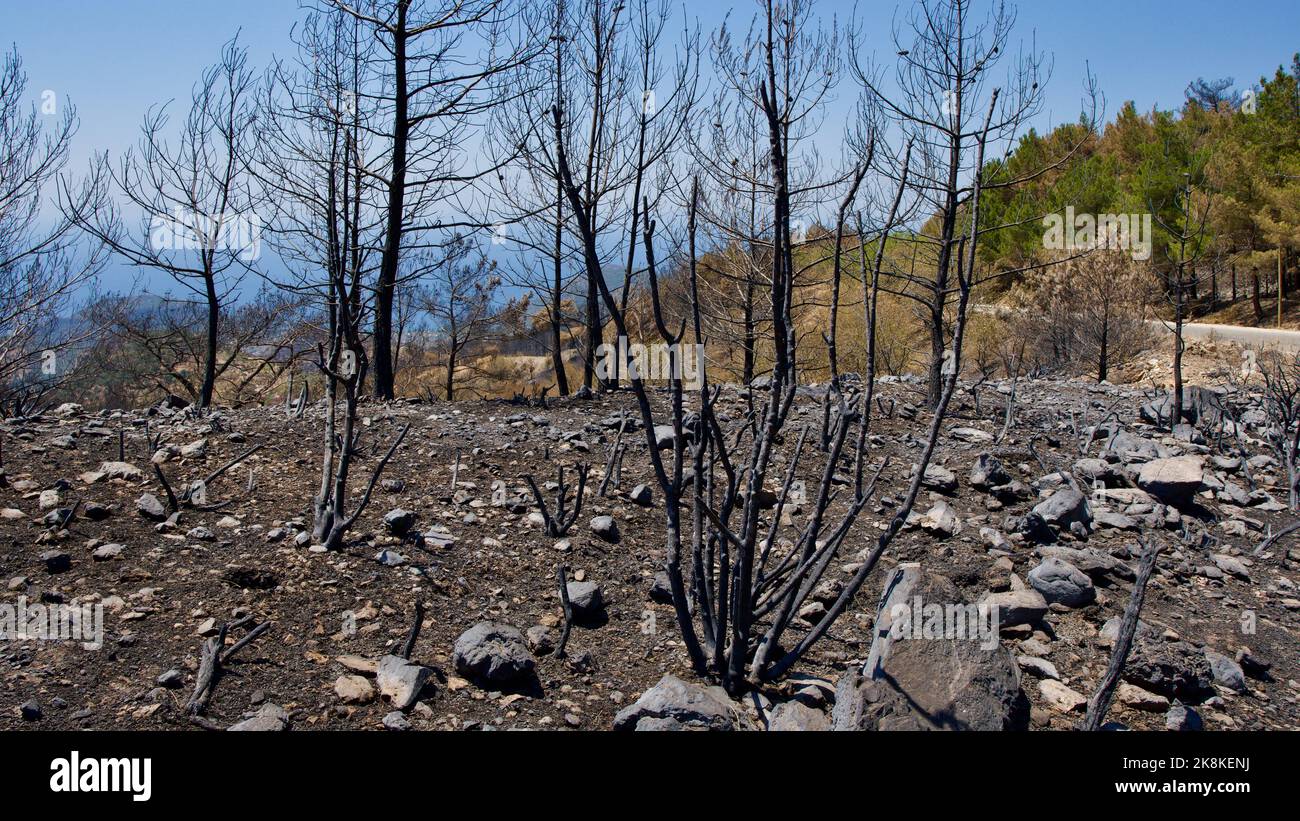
x=41, y=266
x=327, y=226
x=430, y=106
x=944, y=76
x=197, y=221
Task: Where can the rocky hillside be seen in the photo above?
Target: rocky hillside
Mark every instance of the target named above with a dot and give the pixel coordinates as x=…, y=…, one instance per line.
x=225, y=614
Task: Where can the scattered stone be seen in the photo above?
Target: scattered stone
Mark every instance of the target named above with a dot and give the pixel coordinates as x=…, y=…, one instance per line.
x=1140, y=699
x=1062, y=583
x=1227, y=673
x=354, y=690
x=605, y=528
x=56, y=561
x=938, y=684
x=125, y=471
x=672, y=704
x=270, y=718
x=586, y=600
x=397, y=722
x=1017, y=607
x=796, y=717
x=941, y=520
x=150, y=508
x=399, y=522
x=1183, y=719
x=1060, y=697
x=172, y=679
x=1065, y=508
x=400, y=680
x=492, y=652
x=661, y=589
x=988, y=473
x=541, y=641
x=107, y=553
x=1173, y=481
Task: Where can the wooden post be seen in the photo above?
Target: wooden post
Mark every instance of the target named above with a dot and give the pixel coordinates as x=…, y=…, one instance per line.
x=1280, y=289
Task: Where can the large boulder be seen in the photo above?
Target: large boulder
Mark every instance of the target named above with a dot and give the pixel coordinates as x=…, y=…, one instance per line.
x=673, y=704
x=492, y=652
x=931, y=683
x=1173, y=481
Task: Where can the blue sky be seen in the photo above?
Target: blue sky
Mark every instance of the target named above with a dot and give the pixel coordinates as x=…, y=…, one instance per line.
x=114, y=59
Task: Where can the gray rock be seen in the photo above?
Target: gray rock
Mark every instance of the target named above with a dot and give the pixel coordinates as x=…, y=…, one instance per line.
x=1129, y=448
x=1060, y=697
x=56, y=561
x=1227, y=673
x=1174, y=669
x=972, y=436
x=1016, y=607
x=270, y=718
x=171, y=679
x=1183, y=719
x=605, y=528
x=1040, y=668
x=664, y=437
x=401, y=680
x=107, y=552
x=399, y=522
x=1232, y=566
x=31, y=711
x=988, y=473
x=586, y=600
x=195, y=450
x=125, y=471
x=796, y=717
x=540, y=639
x=688, y=706
x=492, y=652
x=1094, y=471
x=150, y=508
x=1064, y=508
x=1173, y=481
x=1099, y=566
x=661, y=589
x=1062, y=583
x=941, y=520
x=1110, y=520
x=929, y=684
x=939, y=478
x=397, y=722
x=641, y=495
